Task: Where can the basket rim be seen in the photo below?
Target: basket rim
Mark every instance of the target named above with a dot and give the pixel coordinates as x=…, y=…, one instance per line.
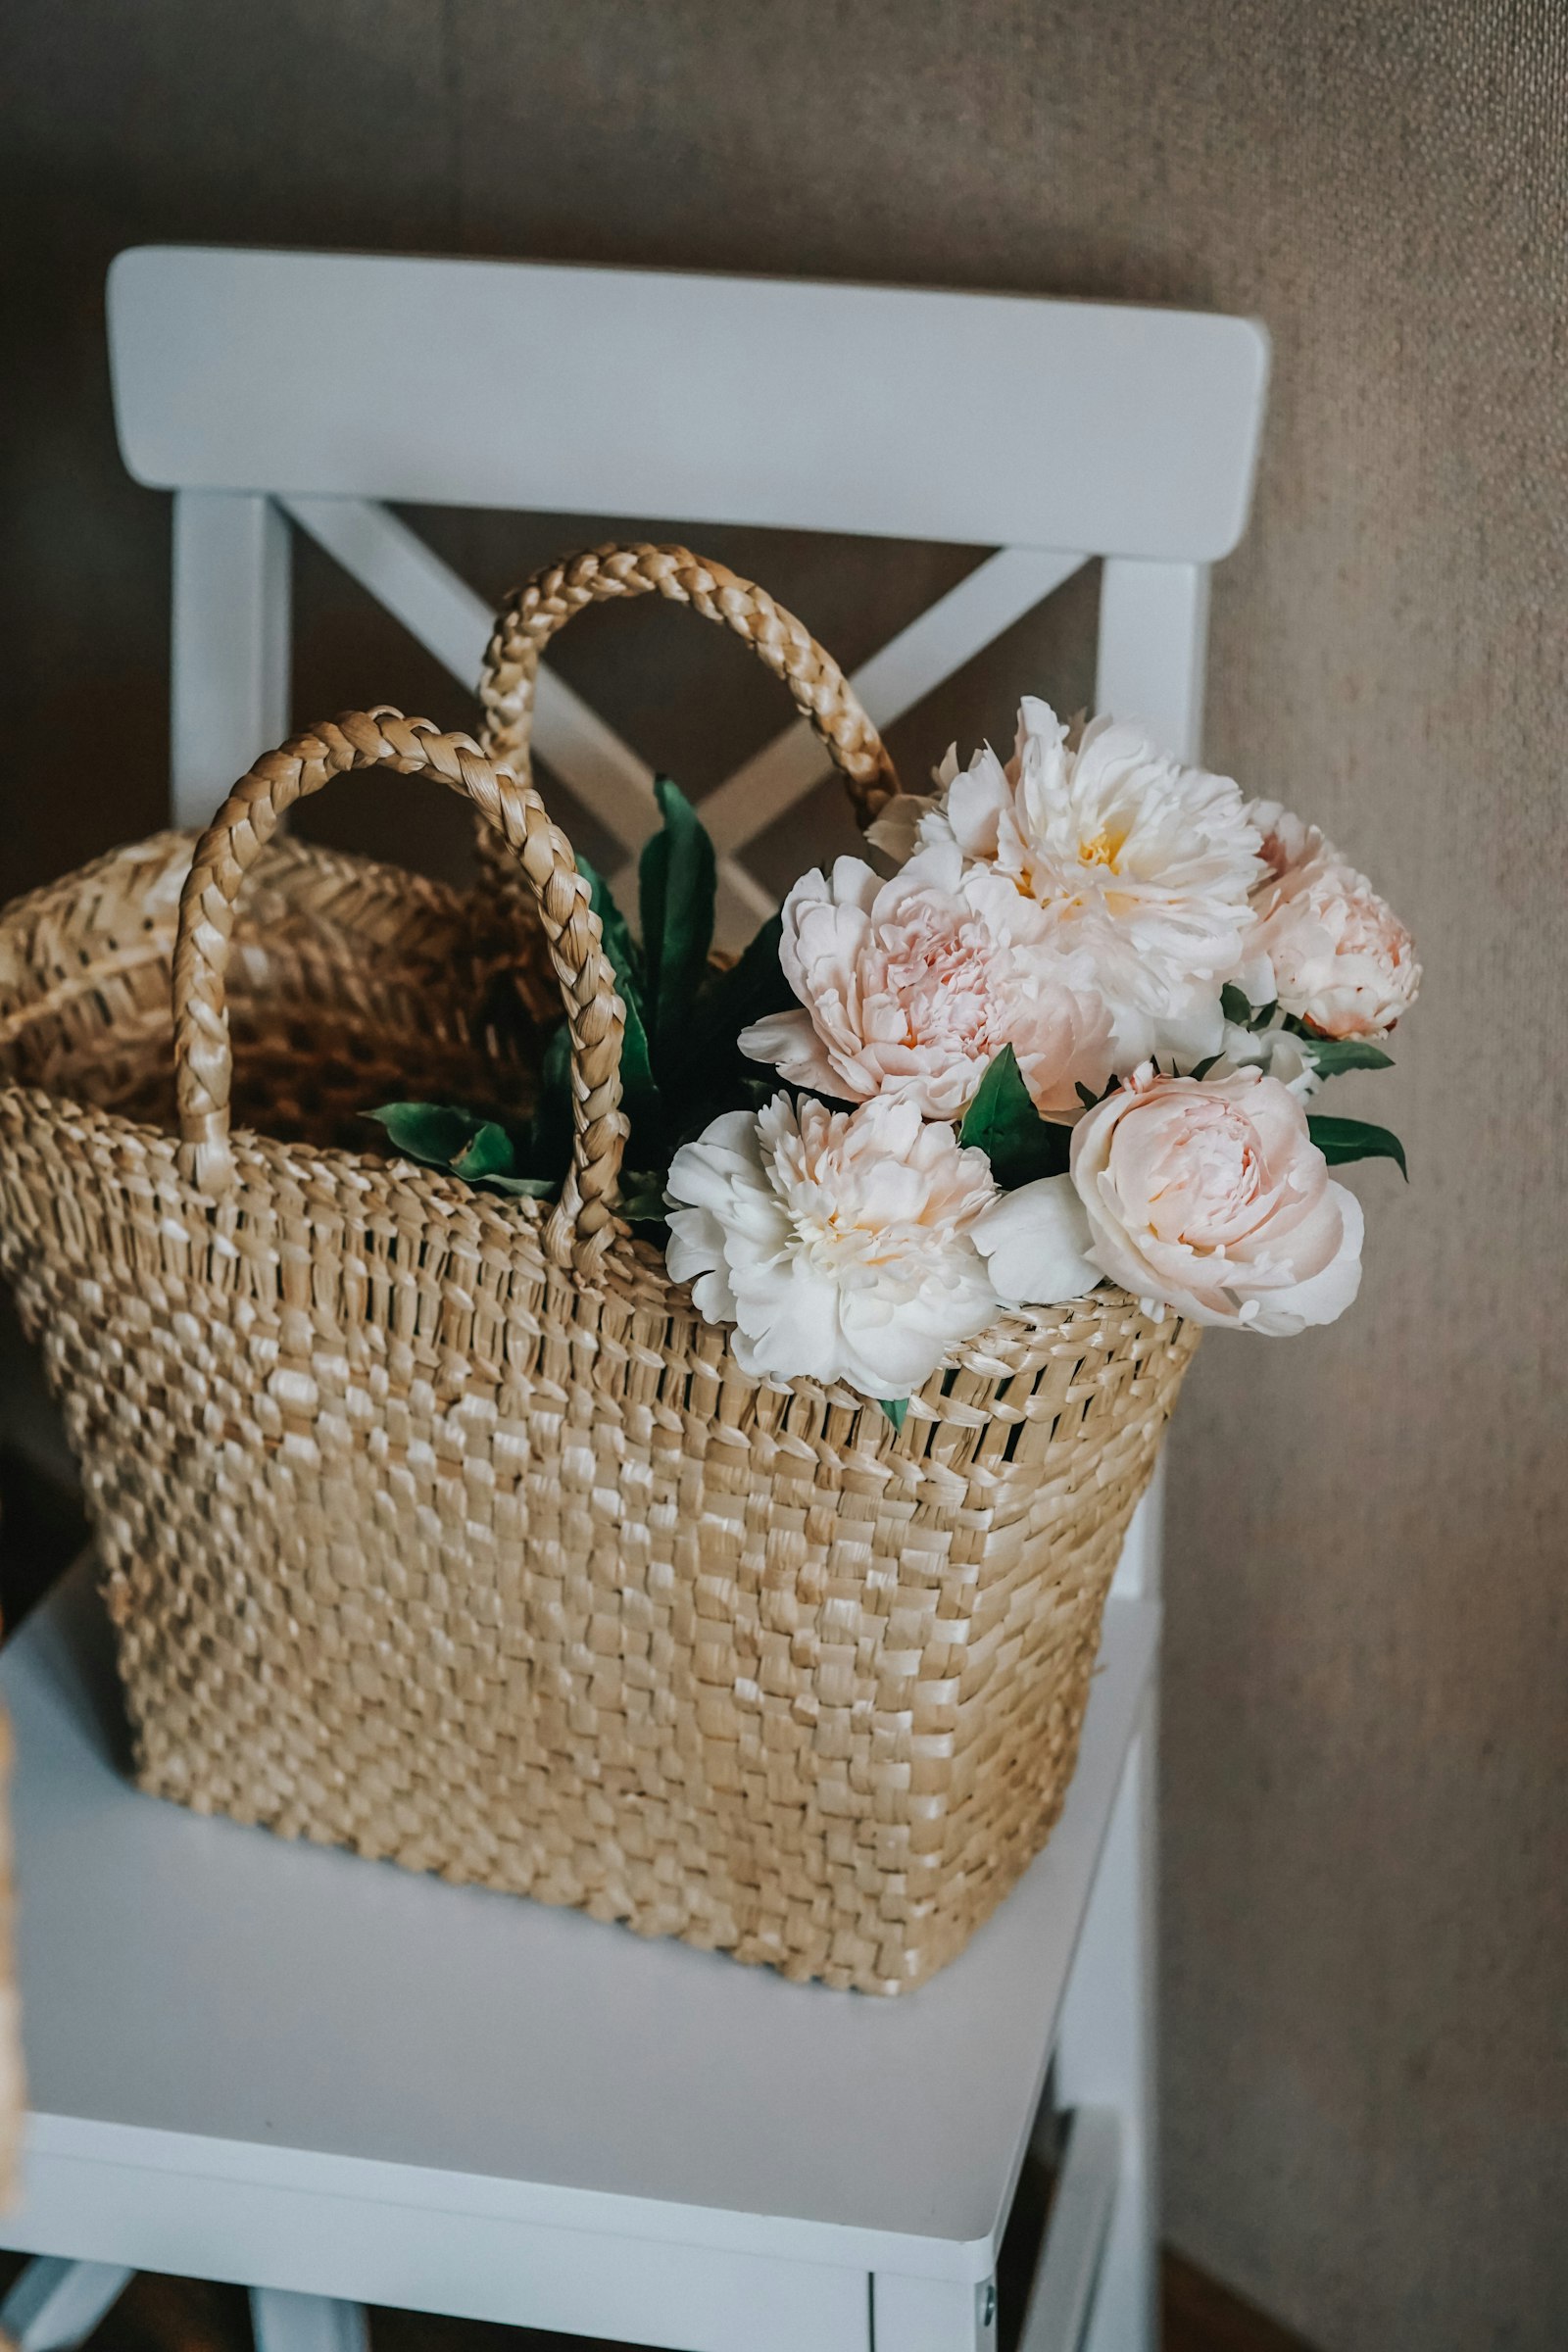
x=172, y=850
x=634, y=1270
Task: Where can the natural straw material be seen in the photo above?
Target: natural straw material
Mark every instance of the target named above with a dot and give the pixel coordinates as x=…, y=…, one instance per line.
x=528, y=620
x=441, y=1526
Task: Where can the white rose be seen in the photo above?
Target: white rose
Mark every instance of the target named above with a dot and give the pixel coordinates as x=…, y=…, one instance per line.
x=837, y=1242
x=911, y=991
x=1121, y=852
x=1210, y=1195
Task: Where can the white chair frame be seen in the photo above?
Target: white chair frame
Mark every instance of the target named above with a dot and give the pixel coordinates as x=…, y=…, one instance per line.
x=270, y=390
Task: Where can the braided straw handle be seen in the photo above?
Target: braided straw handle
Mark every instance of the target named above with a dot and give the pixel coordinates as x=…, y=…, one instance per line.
x=581, y=1225
x=531, y=616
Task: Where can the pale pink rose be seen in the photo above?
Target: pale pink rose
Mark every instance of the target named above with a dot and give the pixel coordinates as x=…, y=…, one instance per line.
x=912, y=987
x=1210, y=1197
x=839, y=1244
x=1323, y=945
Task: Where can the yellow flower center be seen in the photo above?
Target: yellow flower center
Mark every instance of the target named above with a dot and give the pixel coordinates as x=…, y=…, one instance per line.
x=1105, y=849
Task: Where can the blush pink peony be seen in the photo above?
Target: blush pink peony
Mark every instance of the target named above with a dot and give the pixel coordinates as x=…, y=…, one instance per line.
x=912, y=987
x=1286, y=842
x=1210, y=1197
x=1323, y=945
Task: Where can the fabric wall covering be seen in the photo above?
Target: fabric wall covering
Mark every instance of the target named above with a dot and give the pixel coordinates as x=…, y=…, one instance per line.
x=1365, y=1872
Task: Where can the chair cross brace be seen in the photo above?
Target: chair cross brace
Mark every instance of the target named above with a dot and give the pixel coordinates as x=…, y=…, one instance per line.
x=379, y=551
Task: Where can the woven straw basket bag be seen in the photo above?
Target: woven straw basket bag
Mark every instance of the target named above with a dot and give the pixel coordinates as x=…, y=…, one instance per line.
x=441, y=1526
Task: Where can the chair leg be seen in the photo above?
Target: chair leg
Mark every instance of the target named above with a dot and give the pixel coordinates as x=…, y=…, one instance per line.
x=54, y=2305
x=1106, y=2051
x=282, y=2321
x=932, y=2314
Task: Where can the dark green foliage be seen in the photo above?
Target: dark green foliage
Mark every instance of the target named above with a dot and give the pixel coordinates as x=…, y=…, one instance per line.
x=753, y=987
x=704, y=1070
x=480, y=1150
x=639, y=1091
x=677, y=882
x=1341, y=1140
x=680, y=1065
x=433, y=1132
x=1003, y=1122
x=1332, y=1055
x=1235, y=1004
x=549, y=1129
x=489, y=1151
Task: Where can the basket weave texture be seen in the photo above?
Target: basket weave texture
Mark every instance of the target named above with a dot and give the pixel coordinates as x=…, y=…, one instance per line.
x=441, y=1526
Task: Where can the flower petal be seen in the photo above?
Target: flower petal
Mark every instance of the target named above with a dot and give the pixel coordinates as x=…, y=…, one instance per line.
x=789, y=1041
x=1036, y=1243
x=1323, y=1297
x=897, y=829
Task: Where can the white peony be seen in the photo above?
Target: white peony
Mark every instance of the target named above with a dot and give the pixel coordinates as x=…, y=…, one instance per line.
x=1111, y=846
x=837, y=1242
x=911, y=989
x=1210, y=1195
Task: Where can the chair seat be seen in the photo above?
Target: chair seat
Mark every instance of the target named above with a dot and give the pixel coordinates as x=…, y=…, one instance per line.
x=280, y=2064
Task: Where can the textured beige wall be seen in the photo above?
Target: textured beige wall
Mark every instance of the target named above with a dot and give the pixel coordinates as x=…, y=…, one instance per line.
x=1365, y=1981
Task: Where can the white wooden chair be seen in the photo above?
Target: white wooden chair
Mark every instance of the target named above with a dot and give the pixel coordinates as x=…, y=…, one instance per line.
x=339, y=2083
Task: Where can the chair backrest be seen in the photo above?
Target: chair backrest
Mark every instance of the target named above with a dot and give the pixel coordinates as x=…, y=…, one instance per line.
x=270, y=389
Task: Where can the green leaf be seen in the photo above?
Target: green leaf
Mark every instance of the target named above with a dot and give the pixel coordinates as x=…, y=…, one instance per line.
x=641, y=1202
x=1089, y=1099
x=678, y=878
x=642, y=1196
x=639, y=1088
x=704, y=1071
x=432, y=1132
x=750, y=990
x=1201, y=1069
x=1004, y=1123
x=619, y=945
x=479, y=1151
x=1237, y=1007
x=550, y=1133
x=1332, y=1055
x=490, y=1152
x=895, y=1407
x=1341, y=1140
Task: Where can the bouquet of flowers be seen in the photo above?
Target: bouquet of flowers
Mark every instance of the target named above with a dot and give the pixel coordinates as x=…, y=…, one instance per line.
x=1074, y=1034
